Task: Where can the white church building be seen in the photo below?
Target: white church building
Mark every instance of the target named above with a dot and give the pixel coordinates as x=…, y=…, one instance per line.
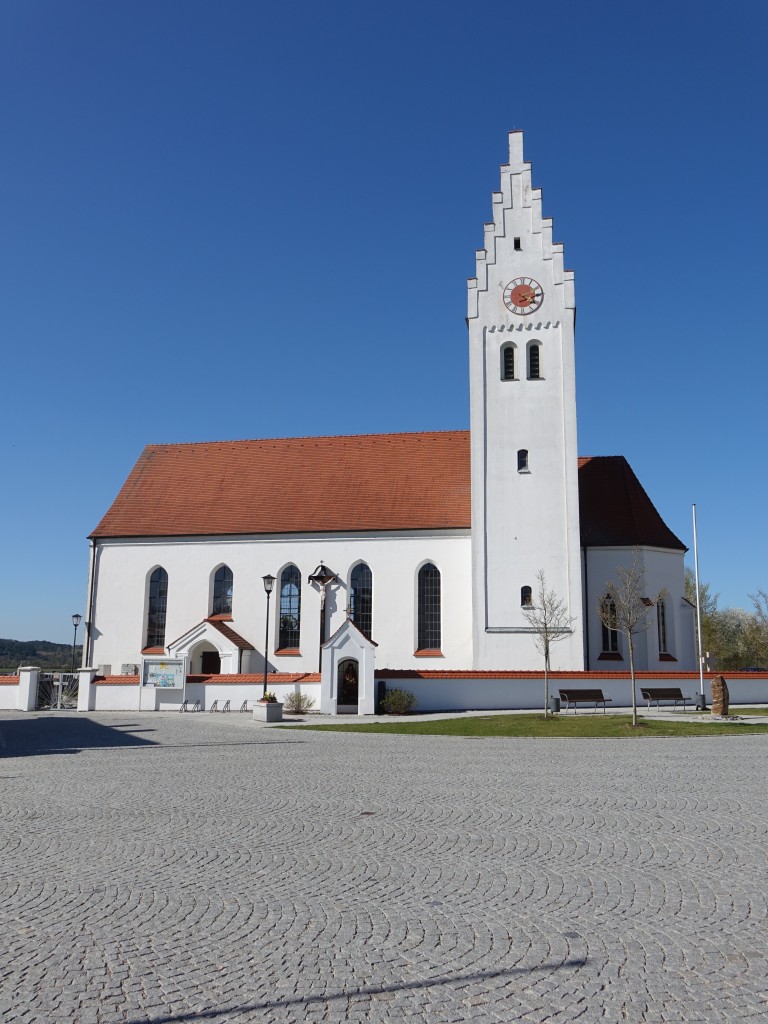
x=411, y=555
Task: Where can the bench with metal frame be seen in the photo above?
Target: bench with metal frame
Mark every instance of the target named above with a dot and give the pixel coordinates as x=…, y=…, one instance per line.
x=570, y=698
x=653, y=694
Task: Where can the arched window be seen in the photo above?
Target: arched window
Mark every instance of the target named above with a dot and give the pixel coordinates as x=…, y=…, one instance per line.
x=526, y=597
x=429, y=634
x=222, y=591
x=522, y=460
x=508, y=362
x=661, y=620
x=610, y=636
x=534, y=362
x=156, y=608
x=290, y=608
x=361, y=598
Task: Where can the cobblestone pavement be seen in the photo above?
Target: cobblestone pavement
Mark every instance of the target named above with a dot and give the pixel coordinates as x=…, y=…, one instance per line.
x=198, y=868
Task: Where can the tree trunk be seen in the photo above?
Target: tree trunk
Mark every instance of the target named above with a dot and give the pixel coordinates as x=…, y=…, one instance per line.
x=546, y=681
x=632, y=674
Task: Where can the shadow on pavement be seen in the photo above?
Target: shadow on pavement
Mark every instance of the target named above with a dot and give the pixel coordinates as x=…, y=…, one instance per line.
x=329, y=997
x=64, y=734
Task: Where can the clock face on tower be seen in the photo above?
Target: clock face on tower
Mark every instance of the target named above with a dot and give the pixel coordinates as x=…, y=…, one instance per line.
x=523, y=295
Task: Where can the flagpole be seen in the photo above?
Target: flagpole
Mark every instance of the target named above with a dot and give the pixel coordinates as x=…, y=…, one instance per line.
x=698, y=603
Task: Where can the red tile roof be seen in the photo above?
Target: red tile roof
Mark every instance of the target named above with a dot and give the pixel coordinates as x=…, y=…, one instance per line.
x=614, y=509
x=230, y=634
x=295, y=485
x=351, y=484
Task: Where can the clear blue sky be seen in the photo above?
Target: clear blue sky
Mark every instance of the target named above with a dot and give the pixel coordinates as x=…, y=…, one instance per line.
x=245, y=219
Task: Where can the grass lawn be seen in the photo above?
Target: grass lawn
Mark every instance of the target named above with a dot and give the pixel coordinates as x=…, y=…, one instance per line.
x=748, y=711
x=582, y=725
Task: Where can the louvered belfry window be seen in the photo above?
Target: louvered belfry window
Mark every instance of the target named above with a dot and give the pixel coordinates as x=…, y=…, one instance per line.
x=429, y=631
x=508, y=363
x=534, y=363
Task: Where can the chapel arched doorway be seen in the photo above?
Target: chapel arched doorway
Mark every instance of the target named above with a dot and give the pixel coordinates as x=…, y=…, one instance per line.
x=347, y=686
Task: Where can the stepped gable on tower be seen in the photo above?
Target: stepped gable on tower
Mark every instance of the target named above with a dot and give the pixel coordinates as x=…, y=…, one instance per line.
x=516, y=193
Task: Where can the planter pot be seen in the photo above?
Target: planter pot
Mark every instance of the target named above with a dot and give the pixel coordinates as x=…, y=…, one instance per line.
x=267, y=712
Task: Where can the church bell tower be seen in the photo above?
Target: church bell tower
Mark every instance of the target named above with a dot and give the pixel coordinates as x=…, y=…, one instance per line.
x=525, y=500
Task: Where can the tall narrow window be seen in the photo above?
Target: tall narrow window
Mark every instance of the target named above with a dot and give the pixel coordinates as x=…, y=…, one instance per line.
x=534, y=362
x=610, y=636
x=508, y=362
x=361, y=598
x=429, y=633
x=290, y=608
x=156, y=608
x=661, y=619
x=522, y=460
x=517, y=245
x=222, y=591
x=526, y=597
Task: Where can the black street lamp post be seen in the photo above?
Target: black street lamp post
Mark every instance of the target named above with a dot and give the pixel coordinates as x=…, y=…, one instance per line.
x=76, y=620
x=269, y=582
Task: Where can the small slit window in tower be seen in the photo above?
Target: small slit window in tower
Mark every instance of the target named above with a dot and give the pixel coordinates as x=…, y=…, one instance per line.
x=534, y=363
x=526, y=597
x=518, y=247
x=522, y=460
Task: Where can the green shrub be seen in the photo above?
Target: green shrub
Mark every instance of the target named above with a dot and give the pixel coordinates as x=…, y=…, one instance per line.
x=298, y=703
x=398, y=702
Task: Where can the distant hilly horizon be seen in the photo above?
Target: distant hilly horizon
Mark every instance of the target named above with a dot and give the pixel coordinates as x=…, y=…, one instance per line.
x=42, y=653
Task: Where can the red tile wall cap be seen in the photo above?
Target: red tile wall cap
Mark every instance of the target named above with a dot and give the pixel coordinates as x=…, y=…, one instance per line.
x=9, y=680
x=219, y=618
x=288, y=652
x=434, y=653
x=153, y=650
x=573, y=677
x=273, y=678
x=116, y=680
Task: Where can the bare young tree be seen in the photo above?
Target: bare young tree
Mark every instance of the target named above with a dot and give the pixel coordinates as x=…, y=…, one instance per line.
x=625, y=608
x=760, y=627
x=549, y=619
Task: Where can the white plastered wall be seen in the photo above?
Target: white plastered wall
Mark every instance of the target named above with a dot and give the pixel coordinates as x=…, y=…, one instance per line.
x=123, y=568
x=664, y=570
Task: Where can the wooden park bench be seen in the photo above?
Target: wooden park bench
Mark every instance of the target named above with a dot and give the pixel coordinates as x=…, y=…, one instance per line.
x=654, y=694
x=570, y=698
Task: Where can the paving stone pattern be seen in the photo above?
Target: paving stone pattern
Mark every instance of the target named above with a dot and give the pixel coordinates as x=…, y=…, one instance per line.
x=200, y=868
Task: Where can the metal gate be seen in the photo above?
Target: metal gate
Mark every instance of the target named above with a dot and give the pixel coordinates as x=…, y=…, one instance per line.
x=57, y=691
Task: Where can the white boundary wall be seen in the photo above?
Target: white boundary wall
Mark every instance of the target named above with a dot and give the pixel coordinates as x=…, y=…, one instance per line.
x=439, y=692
